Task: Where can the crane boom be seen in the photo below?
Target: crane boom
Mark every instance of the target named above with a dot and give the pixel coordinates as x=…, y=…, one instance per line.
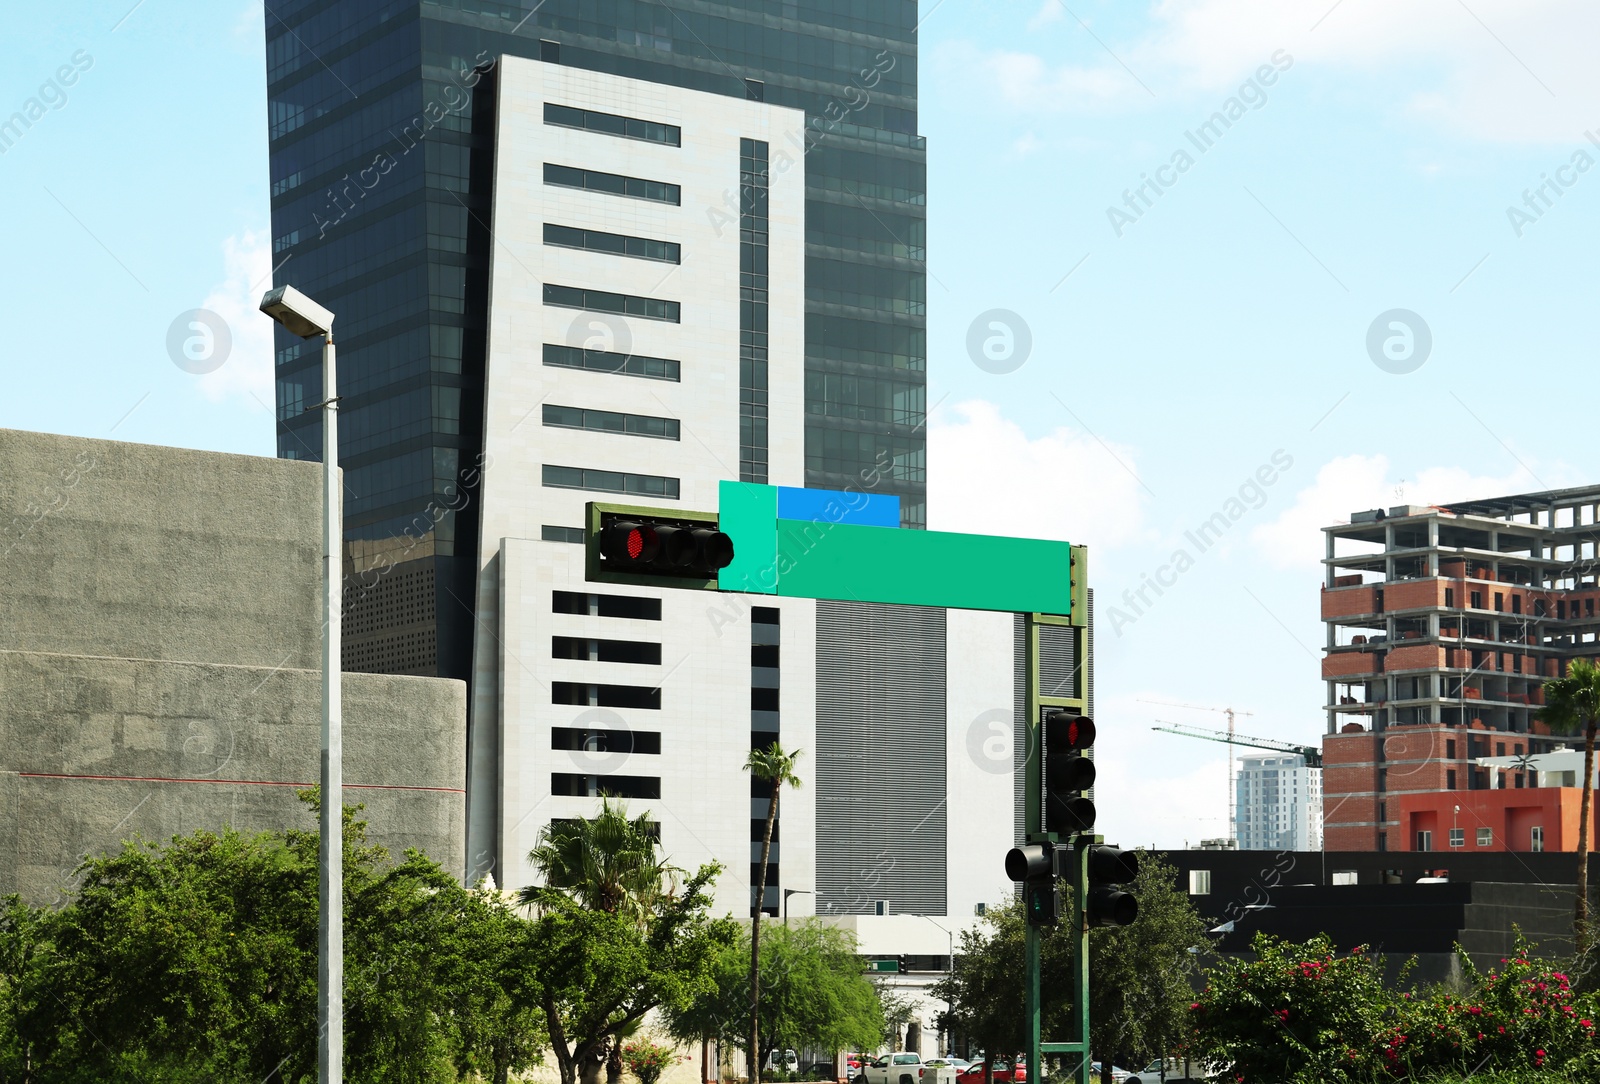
x=1312, y=754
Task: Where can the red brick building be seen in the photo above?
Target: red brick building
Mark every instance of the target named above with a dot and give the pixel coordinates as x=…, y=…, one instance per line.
x=1442, y=625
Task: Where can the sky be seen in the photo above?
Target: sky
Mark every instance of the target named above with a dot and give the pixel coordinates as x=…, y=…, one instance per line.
x=1363, y=284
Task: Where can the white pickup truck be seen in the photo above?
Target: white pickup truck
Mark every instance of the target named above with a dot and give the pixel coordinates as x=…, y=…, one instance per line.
x=904, y=1067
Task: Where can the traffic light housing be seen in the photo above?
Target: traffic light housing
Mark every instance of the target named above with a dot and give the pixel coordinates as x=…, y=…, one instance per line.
x=1036, y=866
x=643, y=545
x=1106, y=901
x=1068, y=773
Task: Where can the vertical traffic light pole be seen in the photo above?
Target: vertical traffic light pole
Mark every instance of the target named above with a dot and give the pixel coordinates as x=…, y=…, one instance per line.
x=1070, y=693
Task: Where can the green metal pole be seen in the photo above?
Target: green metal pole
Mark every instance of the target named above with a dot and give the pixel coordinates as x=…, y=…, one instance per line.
x=1033, y=822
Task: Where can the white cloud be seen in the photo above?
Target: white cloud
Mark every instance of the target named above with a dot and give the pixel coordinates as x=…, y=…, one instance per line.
x=1050, y=11
x=1503, y=70
x=1354, y=483
x=247, y=266
x=987, y=476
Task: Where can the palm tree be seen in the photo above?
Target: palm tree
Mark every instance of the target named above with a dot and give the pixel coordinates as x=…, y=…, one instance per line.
x=1572, y=705
x=603, y=863
x=776, y=767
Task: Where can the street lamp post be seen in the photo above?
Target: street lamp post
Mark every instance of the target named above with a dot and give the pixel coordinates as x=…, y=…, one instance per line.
x=304, y=317
x=786, y=894
x=949, y=970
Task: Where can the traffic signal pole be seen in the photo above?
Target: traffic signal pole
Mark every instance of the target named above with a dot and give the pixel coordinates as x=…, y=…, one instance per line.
x=1072, y=693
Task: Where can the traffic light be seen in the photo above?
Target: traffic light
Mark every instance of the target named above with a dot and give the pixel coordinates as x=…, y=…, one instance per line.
x=1035, y=867
x=653, y=546
x=1106, y=902
x=901, y=962
x=1068, y=772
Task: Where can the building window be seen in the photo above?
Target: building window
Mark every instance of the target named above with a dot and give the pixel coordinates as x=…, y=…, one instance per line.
x=1458, y=837
x=1449, y=597
x=1536, y=838
x=1486, y=837
x=604, y=361
x=614, y=184
x=630, y=607
x=1344, y=877
x=1424, y=841
x=1449, y=744
x=605, y=696
x=1476, y=600
x=593, y=786
x=607, y=481
x=1516, y=604
x=1199, y=882
x=1450, y=779
x=646, y=308
x=618, y=244
x=590, y=120
x=592, y=650
x=1499, y=602
x=549, y=533
x=609, y=421
x=580, y=740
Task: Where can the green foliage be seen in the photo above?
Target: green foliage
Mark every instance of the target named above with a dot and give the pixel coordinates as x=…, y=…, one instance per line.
x=1140, y=975
x=647, y=1060
x=595, y=974
x=985, y=986
x=813, y=993
x=604, y=863
x=198, y=960
x=1302, y=1013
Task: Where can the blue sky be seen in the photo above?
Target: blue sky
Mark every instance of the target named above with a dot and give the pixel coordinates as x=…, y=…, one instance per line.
x=1168, y=366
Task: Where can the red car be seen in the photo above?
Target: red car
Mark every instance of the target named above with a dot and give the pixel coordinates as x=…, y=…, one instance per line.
x=1003, y=1073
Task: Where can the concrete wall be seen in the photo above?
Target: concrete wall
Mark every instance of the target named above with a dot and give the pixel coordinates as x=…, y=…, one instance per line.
x=160, y=621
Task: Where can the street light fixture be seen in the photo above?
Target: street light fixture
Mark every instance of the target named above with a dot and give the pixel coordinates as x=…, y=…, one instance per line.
x=792, y=892
x=304, y=317
x=949, y=970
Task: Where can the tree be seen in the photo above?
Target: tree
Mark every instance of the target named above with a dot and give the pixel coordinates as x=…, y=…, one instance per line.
x=1572, y=705
x=1139, y=975
x=985, y=986
x=596, y=974
x=196, y=960
x=605, y=863
x=813, y=993
x=774, y=767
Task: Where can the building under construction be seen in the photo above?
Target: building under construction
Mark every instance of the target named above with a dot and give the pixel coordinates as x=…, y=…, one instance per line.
x=1443, y=623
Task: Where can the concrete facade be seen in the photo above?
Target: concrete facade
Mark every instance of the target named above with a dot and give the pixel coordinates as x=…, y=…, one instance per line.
x=160, y=628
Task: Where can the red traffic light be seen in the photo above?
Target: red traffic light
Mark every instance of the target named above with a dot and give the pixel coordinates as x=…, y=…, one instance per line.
x=630, y=543
x=1064, y=731
x=665, y=547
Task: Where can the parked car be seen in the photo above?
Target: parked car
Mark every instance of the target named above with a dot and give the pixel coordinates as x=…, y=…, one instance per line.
x=822, y=1070
x=1178, y=1071
x=1004, y=1073
x=899, y=1067
x=853, y=1064
x=781, y=1061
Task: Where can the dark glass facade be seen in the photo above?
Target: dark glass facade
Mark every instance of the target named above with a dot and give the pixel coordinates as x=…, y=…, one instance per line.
x=372, y=148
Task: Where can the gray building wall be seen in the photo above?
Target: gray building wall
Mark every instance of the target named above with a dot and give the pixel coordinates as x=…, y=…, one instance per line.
x=881, y=749
x=160, y=625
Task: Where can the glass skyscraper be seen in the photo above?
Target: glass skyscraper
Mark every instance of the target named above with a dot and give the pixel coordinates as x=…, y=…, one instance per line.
x=373, y=152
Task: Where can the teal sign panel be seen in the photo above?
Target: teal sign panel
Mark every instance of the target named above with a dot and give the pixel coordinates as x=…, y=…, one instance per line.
x=842, y=551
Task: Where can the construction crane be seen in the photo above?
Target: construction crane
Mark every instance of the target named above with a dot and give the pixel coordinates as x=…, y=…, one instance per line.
x=1312, y=754
x=1230, y=713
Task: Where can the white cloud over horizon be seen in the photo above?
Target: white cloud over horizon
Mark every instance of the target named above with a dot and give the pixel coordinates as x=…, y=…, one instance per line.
x=1353, y=483
x=1500, y=70
x=987, y=476
x=247, y=273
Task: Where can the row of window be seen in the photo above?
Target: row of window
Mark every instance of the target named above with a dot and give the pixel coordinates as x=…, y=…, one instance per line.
x=592, y=120
x=576, y=297
x=619, y=244
x=571, y=785
x=1485, y=838
x=610, y=421
x=595, y=650
x=610, y=481
x=615, y=184
x=581, y=740
x=628, y=607
x=606, y=361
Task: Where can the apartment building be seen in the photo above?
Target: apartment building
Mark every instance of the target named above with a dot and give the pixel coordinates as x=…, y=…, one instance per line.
x=1442, y=626
x=1278, y=804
